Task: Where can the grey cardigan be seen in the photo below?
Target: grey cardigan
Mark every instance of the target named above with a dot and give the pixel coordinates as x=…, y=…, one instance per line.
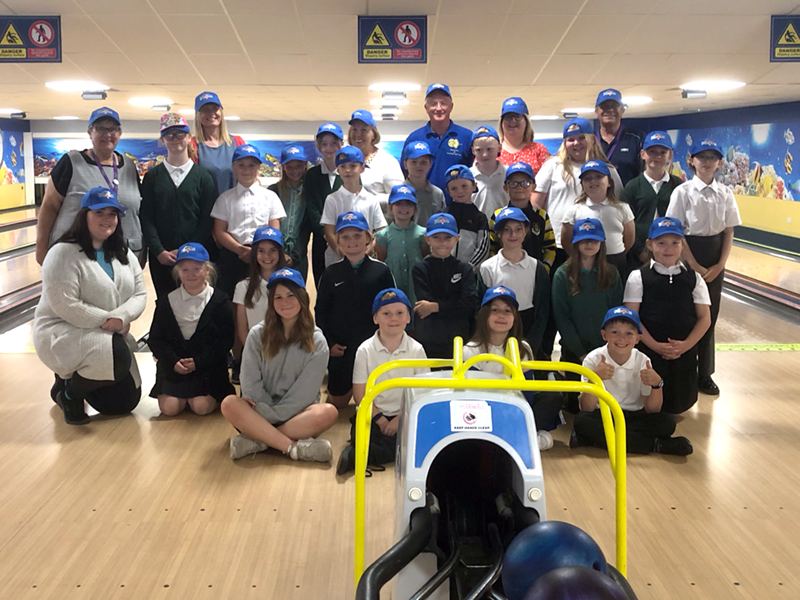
x=284, y=385
x=77, y=298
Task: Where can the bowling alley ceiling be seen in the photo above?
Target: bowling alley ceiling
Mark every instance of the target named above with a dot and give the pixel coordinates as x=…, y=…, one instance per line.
x=297, y=59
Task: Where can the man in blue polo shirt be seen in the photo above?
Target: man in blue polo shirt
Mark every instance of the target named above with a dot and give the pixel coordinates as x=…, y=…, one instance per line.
x=450, y=143
x=621, y=144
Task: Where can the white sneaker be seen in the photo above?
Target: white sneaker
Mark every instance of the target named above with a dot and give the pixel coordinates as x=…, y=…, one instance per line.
x=241, y=445
x=545, y=440
x=311, y=450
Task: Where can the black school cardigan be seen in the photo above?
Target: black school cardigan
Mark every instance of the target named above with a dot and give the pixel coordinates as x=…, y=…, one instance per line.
x=209, y=346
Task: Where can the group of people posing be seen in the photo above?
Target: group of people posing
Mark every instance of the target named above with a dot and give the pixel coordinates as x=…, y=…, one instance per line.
x=481, y=235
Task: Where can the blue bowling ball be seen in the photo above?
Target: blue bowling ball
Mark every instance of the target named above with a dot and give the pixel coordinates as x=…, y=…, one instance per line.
x=543, y=547
x=574, y=583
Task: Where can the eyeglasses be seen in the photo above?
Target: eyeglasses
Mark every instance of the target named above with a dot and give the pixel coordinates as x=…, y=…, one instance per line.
x=111, y=130
x=513, y=117
x=175, y=135
x=522, y=184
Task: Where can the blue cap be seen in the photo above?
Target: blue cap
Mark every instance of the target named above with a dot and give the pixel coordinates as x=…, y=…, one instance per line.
x=416, y=150
x=247, y=151
x=331, y=128
x=500, y=292
x=349, y=154
x=100, y=197
x=268, y=233
x=204, y=98
x=363, y=115
x=514, y=105
x=657, y=138
x=390, y=296
x=458, y=172
x=351, y=219
x=485, y=131
x=438, y=87
x=623, y=312
x=706, y=144
x=102, y=113
x=520, y=167
x=293, y=153
x=192, y=251
x=588, y=229
x=595, y=165
x=509, y=213
x=442, y=223
x=609, y=94
x=402, y=192
x=286, y=274
x=576, y=126
x=665, y=225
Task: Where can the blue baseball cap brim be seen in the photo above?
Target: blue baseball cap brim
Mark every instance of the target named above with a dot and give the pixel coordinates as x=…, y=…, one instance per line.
x=509, y=214
x=364, y=116
x=351, y=219
x=704, y=145
x=665, y=226
x=623, y=312
x=657, y=138
x=268, y=234
x=500, y=292
x=192, y=251
x=588, y=229
x=609, y=94
x=402, y=192
x=390, y=296
x=578, y=126
x=100, y=197
x=293, y=153
x=514, y=106
x=417, y=150
x=283, y=275
x=520, y=167
x=204, y=98
x=348, y=154
x=442, y=223
x=598, y=166
x=438, y=87
x=247, y=151
x=104, y=113
x=331, y=128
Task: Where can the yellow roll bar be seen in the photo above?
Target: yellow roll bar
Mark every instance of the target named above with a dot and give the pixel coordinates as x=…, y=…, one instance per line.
x=613, y=419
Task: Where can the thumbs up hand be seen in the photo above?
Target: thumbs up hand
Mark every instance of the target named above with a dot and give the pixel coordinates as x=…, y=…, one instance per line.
x=604, y=370
x=649, y=375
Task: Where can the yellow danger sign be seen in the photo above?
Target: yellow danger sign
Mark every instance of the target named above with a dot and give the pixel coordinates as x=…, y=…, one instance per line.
x=377, y=54
x=789, y=37
x=11, y=37
x=377, y=37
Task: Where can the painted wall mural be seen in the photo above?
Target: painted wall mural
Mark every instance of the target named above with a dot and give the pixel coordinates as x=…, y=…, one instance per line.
x=12, y=162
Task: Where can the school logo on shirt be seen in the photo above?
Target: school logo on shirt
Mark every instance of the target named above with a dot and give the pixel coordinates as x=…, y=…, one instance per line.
x=453, y=143
x=535, y=229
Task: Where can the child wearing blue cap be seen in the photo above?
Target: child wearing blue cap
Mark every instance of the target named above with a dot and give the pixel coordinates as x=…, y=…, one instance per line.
x=629, y=377
x=516, y=136
x=584, y=289
x=177, y=198
x=344, y=301
x=320, y=181
x=488, y=171
x=417, y=160
x=191, y=335
x=391, y=312
x=473, y=226
x=709, y=213
x=351, y=197
x=402, y=244
x=283, y=366
x=238, y=213
x=250, y=296
x=81, y=331
x=673, y=303
x=512, y=267
x=598, y=200
x=540, y=242
x=498, y=320
x=648, y=194
x=296, y=227
x=447, y=296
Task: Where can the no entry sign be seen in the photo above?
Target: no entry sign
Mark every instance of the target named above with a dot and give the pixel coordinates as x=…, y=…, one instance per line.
x=30, y=39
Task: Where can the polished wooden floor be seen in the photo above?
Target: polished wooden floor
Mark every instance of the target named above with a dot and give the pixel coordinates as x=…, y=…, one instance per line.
x=147, y=507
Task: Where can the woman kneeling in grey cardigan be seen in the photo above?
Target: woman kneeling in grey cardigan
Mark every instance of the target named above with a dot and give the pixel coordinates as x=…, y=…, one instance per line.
x=283, y=365
x=92, y=289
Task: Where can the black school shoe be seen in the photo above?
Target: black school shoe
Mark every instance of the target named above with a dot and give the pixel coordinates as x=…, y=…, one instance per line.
x=347, y=460
x=58, y=386
x=236, y=368
x=575, y=441
x=677, y=446
x=74, y=414
x=707, y=386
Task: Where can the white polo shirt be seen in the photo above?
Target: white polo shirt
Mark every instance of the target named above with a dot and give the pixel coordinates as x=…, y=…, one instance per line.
x=704, y=209
x=178, y=174
x=626, y=385
x=247, y=209
x=472, y=349
x=331, y=174
x=613, y=218
x=256, y=314
x=520, y=277
x=560, y=194
x=634, y=289
x=372, y=353
x=656, y=185
x=342, y=201
x=187, y=308
x=490, y=195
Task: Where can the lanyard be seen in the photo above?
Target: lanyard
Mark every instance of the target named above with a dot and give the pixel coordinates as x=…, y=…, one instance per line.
x=614, y=142
x=115, y=181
